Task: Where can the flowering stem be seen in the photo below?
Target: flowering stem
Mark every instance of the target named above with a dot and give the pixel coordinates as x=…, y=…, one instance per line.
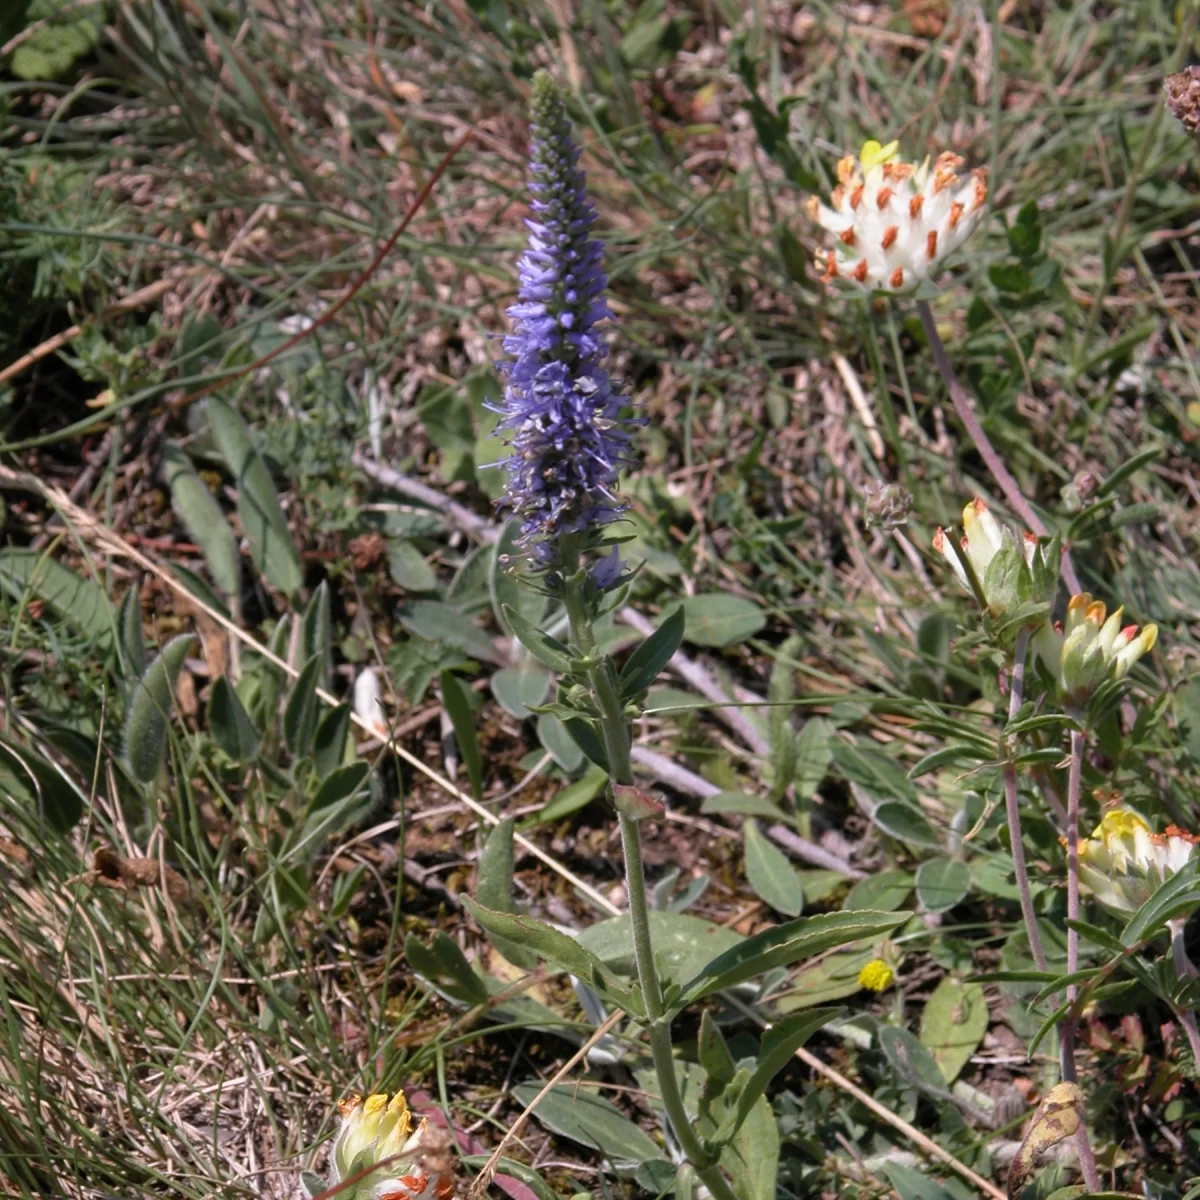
x=1015, y=696
x=989, y=454
x=1185, y=969
x=1087, y=1160
x=658, y=1026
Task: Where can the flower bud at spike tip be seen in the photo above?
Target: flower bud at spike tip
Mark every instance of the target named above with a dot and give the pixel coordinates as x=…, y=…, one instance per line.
x=561, y=415
x=894, y=223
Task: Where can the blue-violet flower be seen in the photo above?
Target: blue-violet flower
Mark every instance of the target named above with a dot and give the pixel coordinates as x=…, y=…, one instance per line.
x=561, y=414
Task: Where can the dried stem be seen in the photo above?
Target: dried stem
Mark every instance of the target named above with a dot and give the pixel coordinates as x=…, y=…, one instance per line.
x=991, y=457
x=1015, y=696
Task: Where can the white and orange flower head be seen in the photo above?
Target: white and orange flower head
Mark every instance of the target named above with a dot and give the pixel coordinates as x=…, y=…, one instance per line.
x=1091, y=647
x=413, y=1163
x=1007, y=573
x=1123, y=864
x=894, y=222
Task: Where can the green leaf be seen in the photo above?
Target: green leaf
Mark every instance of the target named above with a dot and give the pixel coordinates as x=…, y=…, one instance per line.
x=1178, y=895
x=503, y=585
x=1143, y=458
x=408, y=567
x=300, y=712
x=884, y=892
x=682, y=943
x=517, y=689
x=786, y=944
x=770, y=874
x=445, y=968
x=229, y=723
x=150, y=709
x=752, y=1158
x=718, y=619
x=573, y=797
x=329, y=742
x=814, y=753
x=316, y=634
x=495, y=891
x=558, y=743
x=831, y=977
x=59, y=803
x=743, y=804
x=79, y=602
x=340, y=784
x=202, y=517
x=436, y=621
x=779, y=1044
x=913, y=1185
x=550, y=652
x=556, y=948
x=457, y=703
x=914, y=1062
x=714, y=1053
x=580, y=1114
x=588, y=740
x=942, y=883
x=1187, y=717
x=130, y=641
x=263, y=523
x=642, y=667
x=953, y=1024
x=904, y=822
x=515, y=1170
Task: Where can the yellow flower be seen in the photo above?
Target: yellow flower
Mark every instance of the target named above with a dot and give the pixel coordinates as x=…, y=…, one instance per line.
x=374, y=1130
x=893, y=221
x=876, y=976
x=1123, y=864
x=1091, y=648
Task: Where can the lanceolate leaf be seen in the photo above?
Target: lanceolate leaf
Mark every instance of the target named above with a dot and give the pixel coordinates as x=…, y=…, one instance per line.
x=550, y=652
x=786, y=944
x=495, y=889
x=316, y=634
x=458, y=706
x=644, y=664
x=300, y=713
x=150, y=709
x=262, y=519
x=229, y=722
x=79, y=602
x=202, y=518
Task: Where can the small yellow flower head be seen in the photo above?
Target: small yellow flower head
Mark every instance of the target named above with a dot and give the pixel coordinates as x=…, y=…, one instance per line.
x=1091, y=647
x=1122, y=864
x=876, y=976
x=374, y=1130
x=893, y=221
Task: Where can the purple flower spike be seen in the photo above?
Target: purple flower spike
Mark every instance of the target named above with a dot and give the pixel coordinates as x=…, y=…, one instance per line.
x=561, y=415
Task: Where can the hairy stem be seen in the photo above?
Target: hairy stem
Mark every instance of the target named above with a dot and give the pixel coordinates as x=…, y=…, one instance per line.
x=991, y=457
x=1185, y=969
x=607, y=697
x=1015, y=696
x=1087, y=1159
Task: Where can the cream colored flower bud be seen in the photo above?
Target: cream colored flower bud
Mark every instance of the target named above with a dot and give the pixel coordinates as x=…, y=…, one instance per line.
x=375, y=1130
x=895, y=222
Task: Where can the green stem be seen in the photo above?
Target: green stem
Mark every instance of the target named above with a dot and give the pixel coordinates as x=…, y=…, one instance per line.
x=658, y=1026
